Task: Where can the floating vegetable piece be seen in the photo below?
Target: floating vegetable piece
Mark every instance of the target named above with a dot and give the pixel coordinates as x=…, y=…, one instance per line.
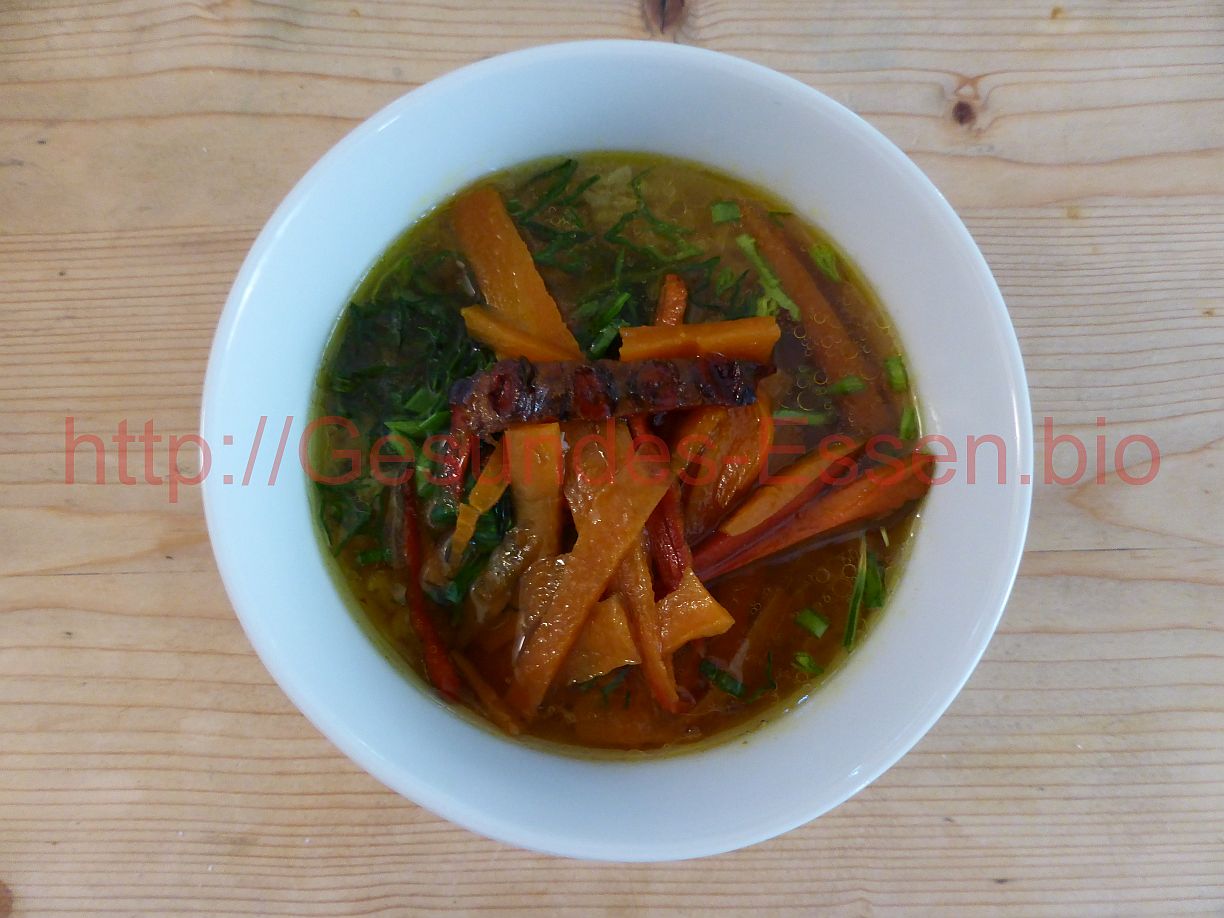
x=743, y=339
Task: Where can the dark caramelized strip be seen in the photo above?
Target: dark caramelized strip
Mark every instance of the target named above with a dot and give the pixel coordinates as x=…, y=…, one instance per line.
x=521, y=392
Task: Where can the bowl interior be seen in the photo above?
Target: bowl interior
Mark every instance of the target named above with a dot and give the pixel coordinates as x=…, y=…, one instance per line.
x=744, y=120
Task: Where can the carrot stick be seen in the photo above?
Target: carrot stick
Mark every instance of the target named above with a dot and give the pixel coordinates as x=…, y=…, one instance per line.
x=484, y=496
x=769, y=506
x=740, y=339
x=869, y=498
x=825, y=333
x=507, y=339
x=673, y=301
x=617, y=516
x=536, y=479
x=439, y=668
x=665, y=528
x=505, y=270
x=633, y=581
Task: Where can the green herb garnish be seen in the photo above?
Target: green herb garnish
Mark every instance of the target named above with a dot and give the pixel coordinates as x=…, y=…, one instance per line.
x=724, y=212
x=806, y=663
x=812, y=621
x=826, y=260
x=773, y=296
x=721, y=679
x=373, y=556
x=895, y=373
x=908, y=428
x=847, y=385
x=868, y=591
x=815, y=418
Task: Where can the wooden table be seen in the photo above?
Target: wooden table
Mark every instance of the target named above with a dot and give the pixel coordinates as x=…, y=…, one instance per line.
x=149, y=765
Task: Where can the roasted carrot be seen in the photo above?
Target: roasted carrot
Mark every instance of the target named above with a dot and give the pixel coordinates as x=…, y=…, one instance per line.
x=726, y=460
x=606, y=641
x=505, y=270
x=635, y=585
x=770, y=505
x=604, y=644
x=536, y=478
x=484, y=496
x=869, y=498
x=507, y=339
x=741, y=339
x=673, y=301
x=617, y=517
x=665, y=528
x=825, y=332
x=439, y=668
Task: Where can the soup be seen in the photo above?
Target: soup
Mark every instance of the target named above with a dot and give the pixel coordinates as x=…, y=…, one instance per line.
x=616, y=451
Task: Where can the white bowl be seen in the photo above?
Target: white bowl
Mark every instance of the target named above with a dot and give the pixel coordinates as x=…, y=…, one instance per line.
x=745, y=120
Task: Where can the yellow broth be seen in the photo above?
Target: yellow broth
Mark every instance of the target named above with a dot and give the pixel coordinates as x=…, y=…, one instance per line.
x=755, y=662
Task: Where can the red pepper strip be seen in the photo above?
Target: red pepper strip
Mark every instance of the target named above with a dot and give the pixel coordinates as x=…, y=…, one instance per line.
x=665, y=529
x=439, y=668
x=459, y=448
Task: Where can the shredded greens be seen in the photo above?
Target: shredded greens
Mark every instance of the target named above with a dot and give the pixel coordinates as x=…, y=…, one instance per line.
x=826, y=260
x=773, y=298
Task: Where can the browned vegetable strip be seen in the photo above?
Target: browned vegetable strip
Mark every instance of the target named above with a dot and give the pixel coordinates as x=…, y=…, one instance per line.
x=826, y=335
x=504, y=268
x=520, y=392
x=634, y=583
x=868, y=499
x=618, y=514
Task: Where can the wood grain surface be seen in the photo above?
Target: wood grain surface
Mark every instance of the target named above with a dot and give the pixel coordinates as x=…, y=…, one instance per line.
x=149, y=765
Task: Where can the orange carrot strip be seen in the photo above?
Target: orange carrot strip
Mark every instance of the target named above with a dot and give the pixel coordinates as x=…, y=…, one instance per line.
x=604, y=644
x=507, y=339
x=869, y=498
x=504, y=268
x=739, y=339
x=825, y=333
x=673, y=301
x=770, y=505
x=690, y=613
x=634, y=583
x=487, y=696
x=618, y=514
x=484, y=496
x=536, y=479
x=729, y=464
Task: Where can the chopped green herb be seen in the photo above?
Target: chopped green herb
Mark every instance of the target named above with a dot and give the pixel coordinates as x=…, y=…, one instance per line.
x=721, y=679
x=806, y=663
x=847, y=385
x=908, y=428
x=812, y=621
x=773, y=297
x=815, y=418
x=414, y=430
x=856, y=596
x=770, y=684
x=868, y=592
x=895, y=373
x=826, y=260
x=373, y=556
x=724, y=211
x=603, y=340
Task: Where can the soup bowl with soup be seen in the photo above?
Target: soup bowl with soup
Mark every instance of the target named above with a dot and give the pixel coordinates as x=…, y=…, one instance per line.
x=616, y=510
